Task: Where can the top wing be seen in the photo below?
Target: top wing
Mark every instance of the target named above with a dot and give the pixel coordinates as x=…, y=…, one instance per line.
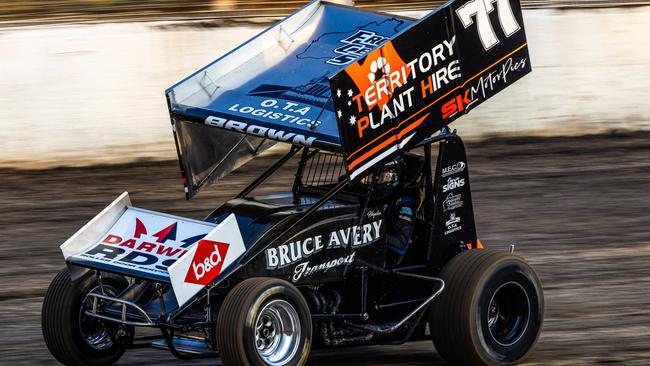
x=345, y=80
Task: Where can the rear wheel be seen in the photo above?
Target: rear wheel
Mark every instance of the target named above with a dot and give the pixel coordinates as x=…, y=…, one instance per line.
x=264, y=322
x=491, y=311
x=72, y=337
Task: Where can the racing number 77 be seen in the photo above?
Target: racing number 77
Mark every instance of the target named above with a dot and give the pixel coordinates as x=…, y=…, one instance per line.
x=482, y=9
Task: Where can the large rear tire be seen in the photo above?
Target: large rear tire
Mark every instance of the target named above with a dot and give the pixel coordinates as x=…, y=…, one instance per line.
x=73, y=338
x=491, y=311
x=264, y=322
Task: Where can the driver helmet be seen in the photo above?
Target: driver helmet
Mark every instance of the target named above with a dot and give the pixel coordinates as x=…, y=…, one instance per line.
x=388, y=177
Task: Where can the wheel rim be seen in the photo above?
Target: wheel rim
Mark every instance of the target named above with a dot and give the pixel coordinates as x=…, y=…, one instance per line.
x=93, y=330
x=277, y=333
x=508, y=313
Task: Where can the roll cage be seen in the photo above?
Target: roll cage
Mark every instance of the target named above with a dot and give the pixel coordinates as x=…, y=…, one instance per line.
x=321, y=174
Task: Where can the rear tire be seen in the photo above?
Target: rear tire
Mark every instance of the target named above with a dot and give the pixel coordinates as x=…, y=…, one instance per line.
x=491, y=311
x=73, y=338
x=264, y=322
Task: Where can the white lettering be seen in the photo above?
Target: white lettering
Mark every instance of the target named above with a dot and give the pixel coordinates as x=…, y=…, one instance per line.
x=355, y=236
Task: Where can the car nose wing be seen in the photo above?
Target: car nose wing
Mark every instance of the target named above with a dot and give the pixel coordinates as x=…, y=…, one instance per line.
x=155, y=246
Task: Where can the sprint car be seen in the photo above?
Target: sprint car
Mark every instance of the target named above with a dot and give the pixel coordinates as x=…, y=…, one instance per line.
x=264, y=279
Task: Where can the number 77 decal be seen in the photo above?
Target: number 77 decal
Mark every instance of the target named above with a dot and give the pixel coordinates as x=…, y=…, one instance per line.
x=482, y=9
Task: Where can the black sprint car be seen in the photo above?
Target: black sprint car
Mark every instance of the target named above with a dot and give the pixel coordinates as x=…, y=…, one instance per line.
x=361, y=99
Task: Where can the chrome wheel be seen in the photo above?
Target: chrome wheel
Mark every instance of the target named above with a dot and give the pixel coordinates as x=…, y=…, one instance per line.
x=508, y=313
x=93, y=330
x=277, y=333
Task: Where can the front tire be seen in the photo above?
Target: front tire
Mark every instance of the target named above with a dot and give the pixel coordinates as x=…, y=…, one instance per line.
x=491, y=311
x=264, y=322
x=73, y=338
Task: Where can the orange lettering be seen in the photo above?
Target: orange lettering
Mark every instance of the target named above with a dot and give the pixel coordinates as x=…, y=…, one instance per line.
x=357, y=98
x=427, y=84
x=362, y=124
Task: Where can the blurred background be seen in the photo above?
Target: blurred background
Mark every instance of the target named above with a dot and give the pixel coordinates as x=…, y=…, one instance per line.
x=82, y=81
x=560, y=161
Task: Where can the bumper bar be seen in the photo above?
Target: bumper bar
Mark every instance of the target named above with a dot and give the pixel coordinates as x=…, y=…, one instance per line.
x=123, y=318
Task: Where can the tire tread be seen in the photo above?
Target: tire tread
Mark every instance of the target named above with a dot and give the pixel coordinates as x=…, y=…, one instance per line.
x=58, y=316
x=450, y=314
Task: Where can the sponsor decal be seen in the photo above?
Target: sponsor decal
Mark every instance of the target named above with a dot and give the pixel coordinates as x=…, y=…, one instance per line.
x=355, y=236
x=282, y=111
x=453, y=224
x=373, y=214
x=453, y=183
x=207, y=262
x=383, y=72
x=457, y=104
x=452, y=202
x=453, y=169
x=145, y=242
x=480, y=10
x=355, y=46
x=290, y=103
x=487, y=84
x=271, y=133
x=304, y=270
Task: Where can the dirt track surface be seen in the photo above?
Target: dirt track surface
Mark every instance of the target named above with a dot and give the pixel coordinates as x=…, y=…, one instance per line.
x=578, y=209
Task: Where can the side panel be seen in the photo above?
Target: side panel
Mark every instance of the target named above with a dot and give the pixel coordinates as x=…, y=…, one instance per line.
x=207, y=260
x=453, y=222
x=426, y=77
x=321, y=252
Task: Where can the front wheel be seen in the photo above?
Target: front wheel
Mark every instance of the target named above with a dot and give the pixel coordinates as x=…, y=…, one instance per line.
x=74, y=338
x=264, y=322
x=491, y=311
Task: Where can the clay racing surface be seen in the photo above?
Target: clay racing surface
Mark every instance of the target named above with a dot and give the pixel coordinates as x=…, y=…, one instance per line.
x=576, y=207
